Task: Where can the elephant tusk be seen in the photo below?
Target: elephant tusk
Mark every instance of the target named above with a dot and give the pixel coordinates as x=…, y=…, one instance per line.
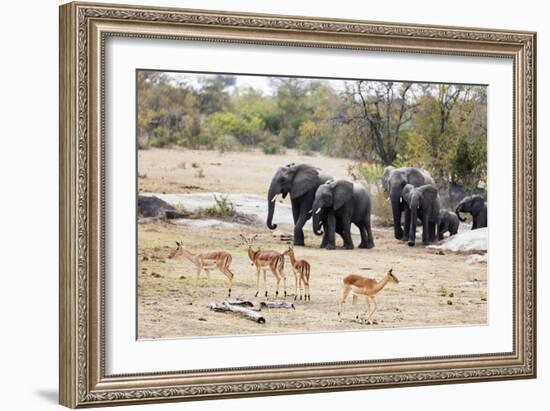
x=317, y=211
x=274, y=198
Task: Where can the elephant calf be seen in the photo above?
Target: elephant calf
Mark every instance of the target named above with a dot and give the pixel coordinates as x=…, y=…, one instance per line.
x=447, y=222
x=477, y=207
x=423, y=203
x=337, y=204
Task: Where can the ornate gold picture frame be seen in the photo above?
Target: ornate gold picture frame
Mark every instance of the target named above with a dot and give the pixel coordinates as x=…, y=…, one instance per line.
x=84, y=30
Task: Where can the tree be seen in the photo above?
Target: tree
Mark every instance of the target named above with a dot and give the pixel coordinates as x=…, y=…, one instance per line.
x=382, y=109
x=213, y=93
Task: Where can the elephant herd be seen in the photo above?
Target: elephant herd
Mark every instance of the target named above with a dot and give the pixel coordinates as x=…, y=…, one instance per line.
x=335, y=204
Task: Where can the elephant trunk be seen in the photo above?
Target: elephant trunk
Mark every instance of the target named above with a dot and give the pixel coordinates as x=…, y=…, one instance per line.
x=395, y=197
x=457, y=212
x=317, y=224
x=271, y=197
x=412, y=230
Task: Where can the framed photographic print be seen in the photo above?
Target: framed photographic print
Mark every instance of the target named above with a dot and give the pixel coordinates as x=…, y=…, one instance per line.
x=261, y=205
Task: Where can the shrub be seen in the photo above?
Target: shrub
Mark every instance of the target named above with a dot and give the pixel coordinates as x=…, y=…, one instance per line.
x=369, y=173
x=227, y=143
x=223, y=209
x=199, y=173
x=271, y=144
x=381, y=207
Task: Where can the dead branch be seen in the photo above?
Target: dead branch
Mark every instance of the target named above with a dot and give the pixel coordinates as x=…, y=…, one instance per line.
x=238, y=309
x=276, y=304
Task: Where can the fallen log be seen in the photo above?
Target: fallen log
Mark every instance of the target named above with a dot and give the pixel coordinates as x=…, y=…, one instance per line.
x=238, y=301
x=237, y=309
x=276, y=304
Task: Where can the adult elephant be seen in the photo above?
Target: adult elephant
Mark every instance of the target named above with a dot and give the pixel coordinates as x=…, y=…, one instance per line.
x=423, y=203
x=477, y=207
x=337, y=204
x=300, y=181
x=447, y=222
x=393, y=181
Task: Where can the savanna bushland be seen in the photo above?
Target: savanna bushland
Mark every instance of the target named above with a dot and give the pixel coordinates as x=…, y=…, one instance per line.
x=209, y=144
x=439, y=127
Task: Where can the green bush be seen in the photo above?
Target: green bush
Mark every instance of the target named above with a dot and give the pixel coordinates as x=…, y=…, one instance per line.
x=223, y=209
x=369, y=173
x=271, y=144
x=227, y=143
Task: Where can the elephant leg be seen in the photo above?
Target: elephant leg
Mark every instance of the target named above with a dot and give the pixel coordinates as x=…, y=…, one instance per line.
x=475, y=224
x=425, y=229
x=363, y=232
x=298, y=228
x=397, y=208
x=346, y=233
x=432, y=231
x=295, y=210
x=324, y=241
x=367, y=240
x=331, y=227
x=407, y=226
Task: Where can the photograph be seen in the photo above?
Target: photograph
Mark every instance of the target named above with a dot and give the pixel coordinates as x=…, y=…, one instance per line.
x=269, y=204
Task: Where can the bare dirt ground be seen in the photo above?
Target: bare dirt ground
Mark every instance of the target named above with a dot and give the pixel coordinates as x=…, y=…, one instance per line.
x=435, y=288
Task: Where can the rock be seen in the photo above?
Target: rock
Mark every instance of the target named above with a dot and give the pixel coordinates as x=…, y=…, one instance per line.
x=449, y=302
x=467, y=241
x=151, y=206
x=182, y=277
x=451, y=295
x=202, y=319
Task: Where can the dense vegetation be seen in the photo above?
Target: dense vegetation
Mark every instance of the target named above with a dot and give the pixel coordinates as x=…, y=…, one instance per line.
x=439, y=127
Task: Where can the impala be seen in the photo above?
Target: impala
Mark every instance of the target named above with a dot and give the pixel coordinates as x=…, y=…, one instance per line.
x=301, y=269
x=264, y=260
x=205, y=261
x=366, y=287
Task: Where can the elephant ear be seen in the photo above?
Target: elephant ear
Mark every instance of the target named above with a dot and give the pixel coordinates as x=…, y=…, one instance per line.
x=306, y=178
x=342, y=193
x=406, y=193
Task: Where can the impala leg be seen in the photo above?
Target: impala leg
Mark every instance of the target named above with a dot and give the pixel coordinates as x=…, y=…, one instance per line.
x=198, y=271
x=207, y=274
x=296, y=287
x=265, y=282
x=342, y=300
x=373, y=309
x=257, y=281
x=355, y=307
x=278, y=279
x=367, y=308
x=229, y=276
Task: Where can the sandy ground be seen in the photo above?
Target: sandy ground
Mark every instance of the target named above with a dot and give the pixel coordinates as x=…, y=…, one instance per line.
x=435, y=289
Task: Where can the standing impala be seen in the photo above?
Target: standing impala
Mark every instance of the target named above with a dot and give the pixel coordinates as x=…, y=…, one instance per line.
x=367, y=287
x=301, y=269
x=264, y=260
x=205, y=261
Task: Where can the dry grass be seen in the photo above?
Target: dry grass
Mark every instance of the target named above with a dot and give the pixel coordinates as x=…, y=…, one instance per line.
x=172, y=302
